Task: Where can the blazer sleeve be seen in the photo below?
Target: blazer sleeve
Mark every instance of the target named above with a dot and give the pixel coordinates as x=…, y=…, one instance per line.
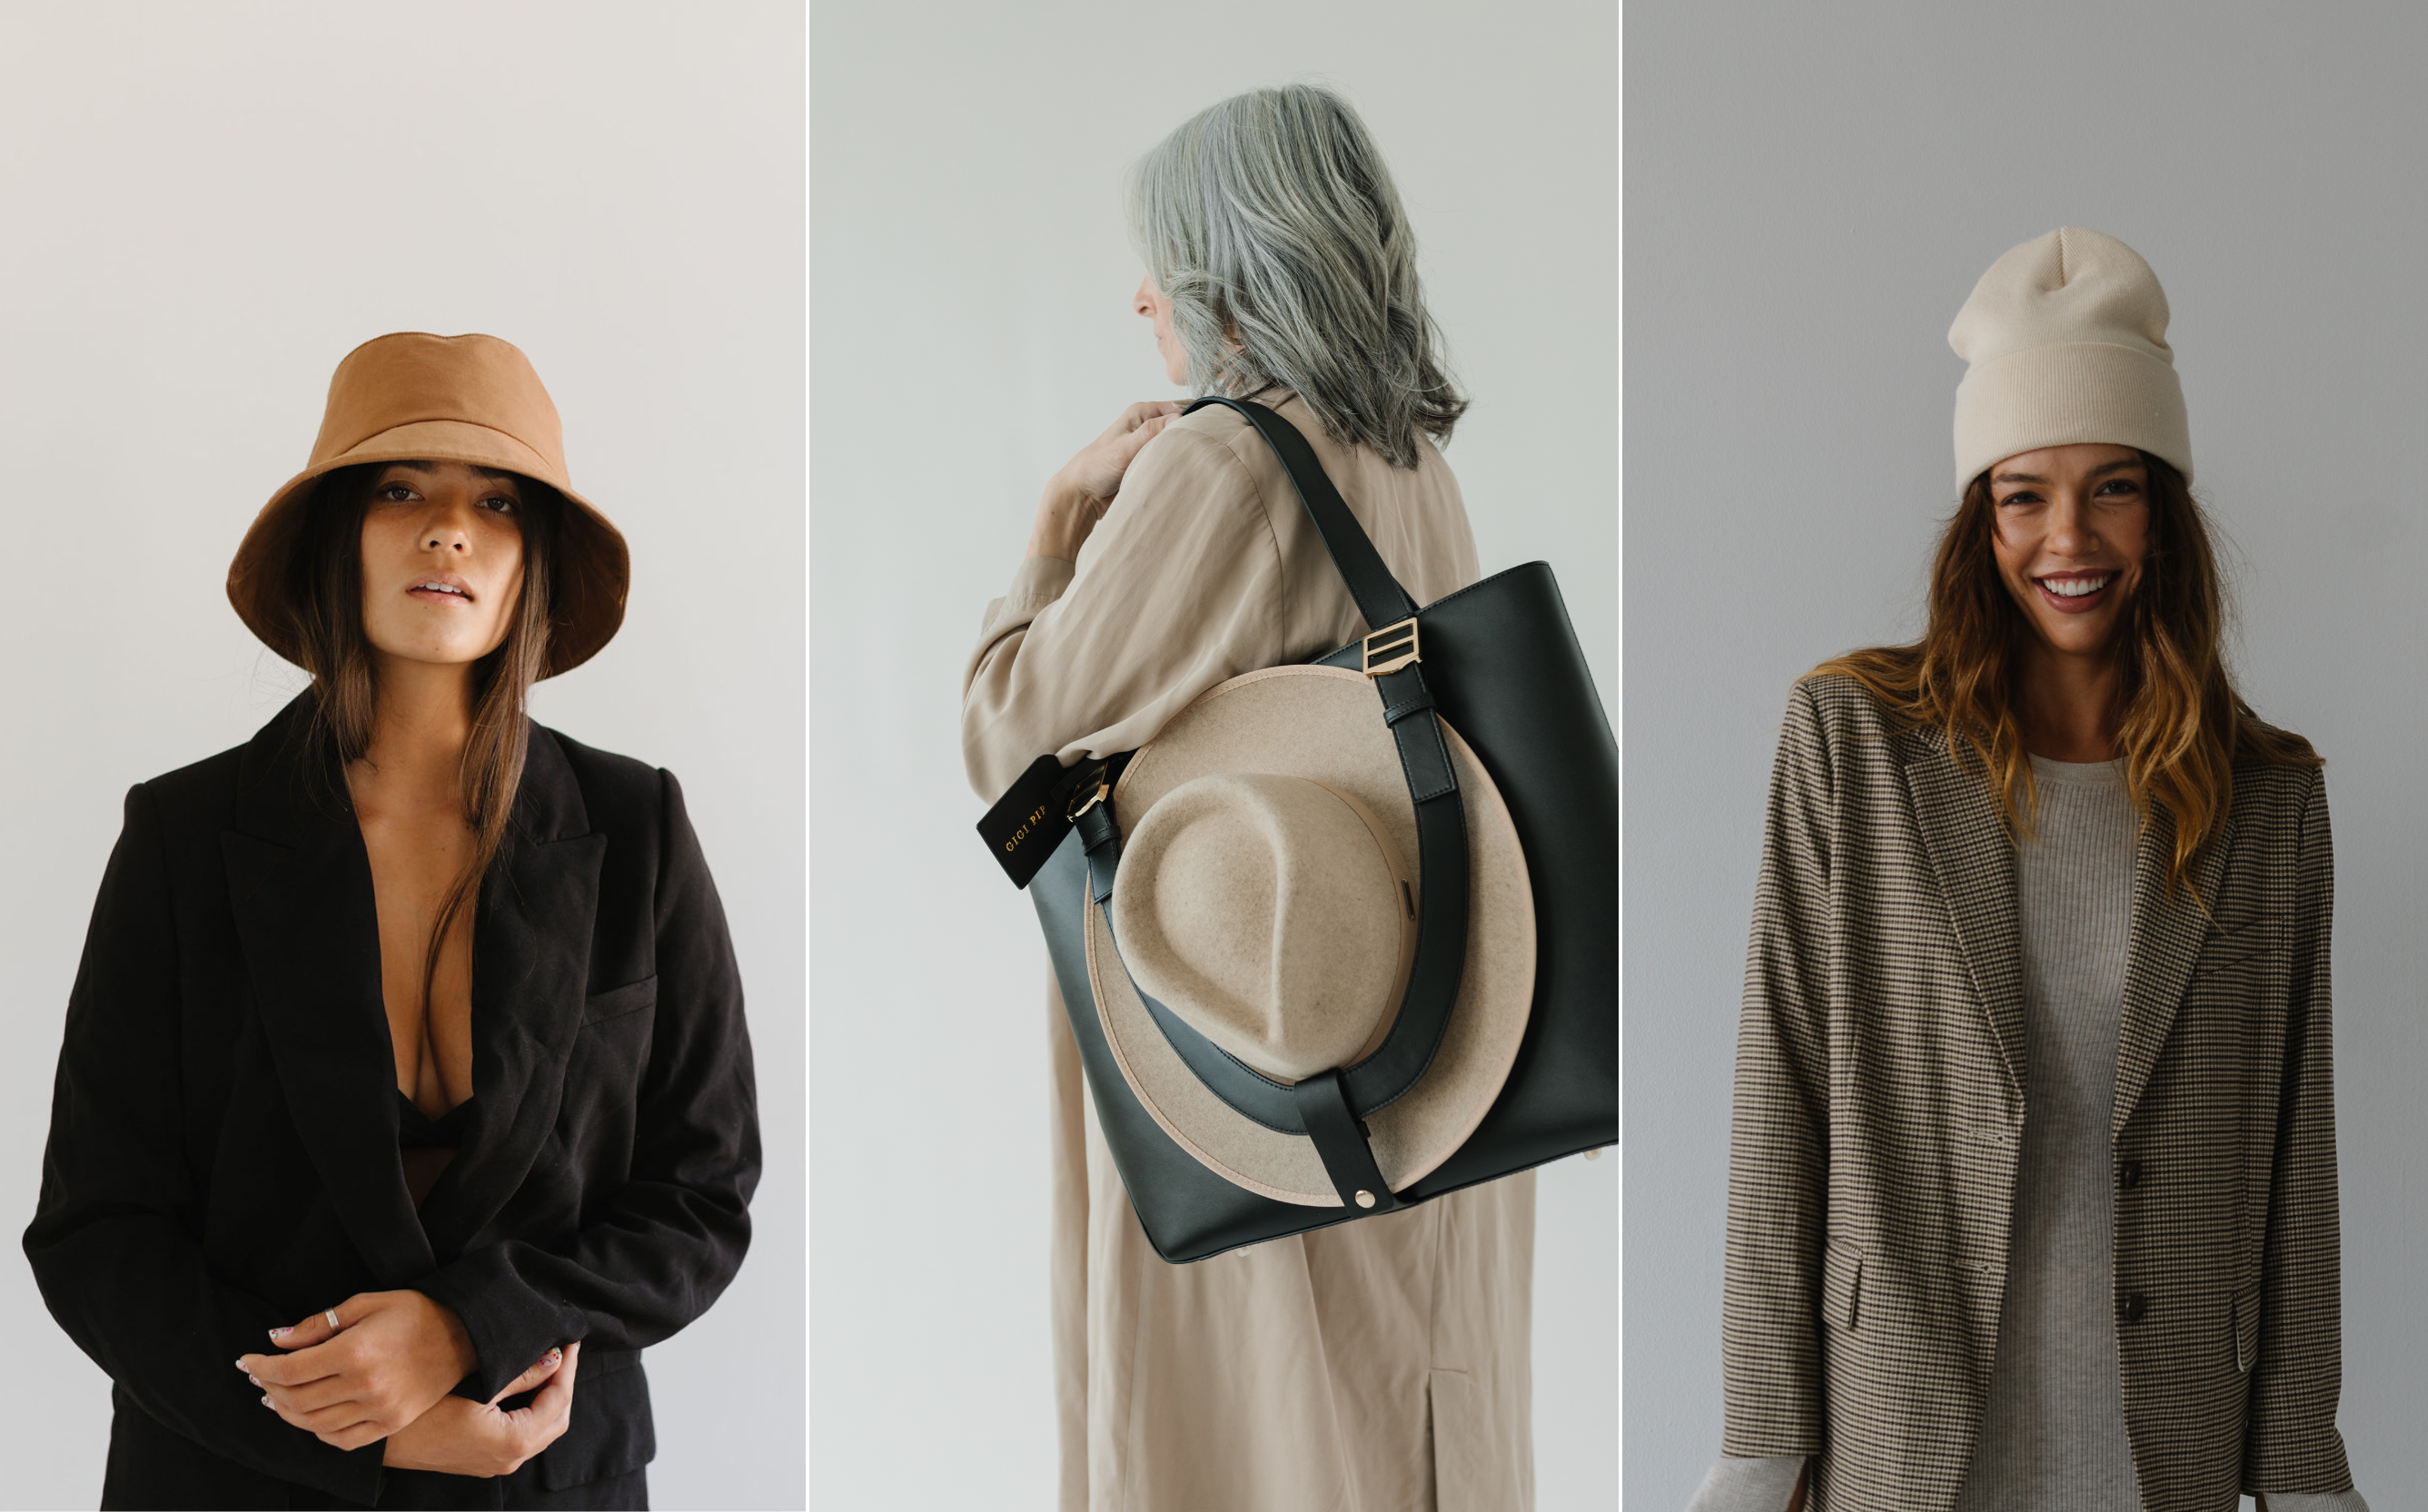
x=1179, y=588
x=2291, y=1438
x=112, y=1241
x=656, y=1255
x=1778, y=1147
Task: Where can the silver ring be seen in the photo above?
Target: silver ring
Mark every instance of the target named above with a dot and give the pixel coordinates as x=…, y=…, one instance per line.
x=335, y=1327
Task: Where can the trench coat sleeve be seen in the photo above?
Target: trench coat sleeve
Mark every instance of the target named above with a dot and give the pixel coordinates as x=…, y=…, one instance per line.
x=2291, y=1441
x=654, y=1257
x=1178, y=589
x=112, y=1240
x=1770, y=1350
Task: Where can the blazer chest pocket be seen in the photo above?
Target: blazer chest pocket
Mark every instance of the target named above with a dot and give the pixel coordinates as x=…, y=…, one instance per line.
x=1841, y=1284
x=2246, y=1327
x=619, y=1002
x=2230, y=949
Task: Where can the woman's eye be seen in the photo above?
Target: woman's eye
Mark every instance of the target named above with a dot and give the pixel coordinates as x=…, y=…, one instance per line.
x=501, y=504
x=396, y=493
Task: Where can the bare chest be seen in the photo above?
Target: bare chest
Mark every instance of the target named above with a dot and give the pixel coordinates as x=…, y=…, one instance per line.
x=416, y=861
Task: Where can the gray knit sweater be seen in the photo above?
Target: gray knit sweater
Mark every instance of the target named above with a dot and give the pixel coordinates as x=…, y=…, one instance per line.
x=2054, y=1431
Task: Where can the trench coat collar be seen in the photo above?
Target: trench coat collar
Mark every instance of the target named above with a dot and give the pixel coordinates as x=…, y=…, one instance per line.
x=300, y=886
x=1963, y=830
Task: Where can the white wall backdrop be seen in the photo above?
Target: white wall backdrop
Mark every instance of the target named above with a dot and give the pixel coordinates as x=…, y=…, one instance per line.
x=1812, y=192
x=969, y=330
x=203, y=207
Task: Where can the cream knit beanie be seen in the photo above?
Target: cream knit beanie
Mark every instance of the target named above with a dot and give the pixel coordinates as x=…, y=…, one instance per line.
x=2065, y=340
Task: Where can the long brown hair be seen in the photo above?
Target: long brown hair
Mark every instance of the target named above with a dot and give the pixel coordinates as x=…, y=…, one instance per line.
x=2181, y=726
x=326, y=593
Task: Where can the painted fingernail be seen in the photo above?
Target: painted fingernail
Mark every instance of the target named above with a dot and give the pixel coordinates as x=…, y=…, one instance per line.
x=266, y=1402
x=280, y=1333
x=254, y=1379
x=239, y=1364
x=555, y=1354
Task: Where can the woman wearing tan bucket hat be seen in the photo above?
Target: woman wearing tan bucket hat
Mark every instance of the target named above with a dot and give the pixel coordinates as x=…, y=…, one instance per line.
x=406, y=1094
x=1382, y=1363
x=2032, y=1186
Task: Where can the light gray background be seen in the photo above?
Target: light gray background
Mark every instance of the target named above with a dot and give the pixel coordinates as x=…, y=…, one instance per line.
x=206, y=206
x=1811, y=194
x=970, y=329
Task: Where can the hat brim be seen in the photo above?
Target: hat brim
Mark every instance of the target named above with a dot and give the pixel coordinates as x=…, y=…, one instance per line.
x=593, y=569
x=1321, y=722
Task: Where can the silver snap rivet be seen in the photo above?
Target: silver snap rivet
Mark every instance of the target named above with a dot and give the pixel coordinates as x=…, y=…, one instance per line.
x=1365, y=1200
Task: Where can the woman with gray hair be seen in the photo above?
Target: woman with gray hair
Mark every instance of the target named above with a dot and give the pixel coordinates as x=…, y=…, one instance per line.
x=1381, y=1363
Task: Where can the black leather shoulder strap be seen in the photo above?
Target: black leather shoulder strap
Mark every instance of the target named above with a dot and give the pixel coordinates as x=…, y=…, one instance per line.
x=1329, y=1107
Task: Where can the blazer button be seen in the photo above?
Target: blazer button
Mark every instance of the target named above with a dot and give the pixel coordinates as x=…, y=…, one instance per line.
x=2135, y=1307
x=2130, y=1176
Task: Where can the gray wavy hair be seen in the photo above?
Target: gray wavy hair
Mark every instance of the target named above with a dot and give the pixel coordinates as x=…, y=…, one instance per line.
x=1271, y=223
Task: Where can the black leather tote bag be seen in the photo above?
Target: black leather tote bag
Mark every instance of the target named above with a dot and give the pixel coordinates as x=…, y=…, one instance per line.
x=1501, y=662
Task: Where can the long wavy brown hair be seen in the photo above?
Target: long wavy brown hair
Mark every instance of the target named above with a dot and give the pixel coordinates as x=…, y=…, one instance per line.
x=325, y=595
x=2181, y=726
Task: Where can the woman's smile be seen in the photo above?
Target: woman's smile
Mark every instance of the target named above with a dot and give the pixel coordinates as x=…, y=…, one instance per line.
x=2080, y=512
x=2076, y=592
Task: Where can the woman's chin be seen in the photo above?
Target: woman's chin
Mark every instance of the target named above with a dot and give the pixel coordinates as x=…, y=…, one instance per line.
x=2079, y=636
x=448, y=651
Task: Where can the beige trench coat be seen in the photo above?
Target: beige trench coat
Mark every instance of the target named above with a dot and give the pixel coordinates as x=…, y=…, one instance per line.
x=1380, y=1366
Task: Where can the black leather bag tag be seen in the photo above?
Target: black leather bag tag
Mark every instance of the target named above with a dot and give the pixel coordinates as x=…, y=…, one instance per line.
x=1034, y=813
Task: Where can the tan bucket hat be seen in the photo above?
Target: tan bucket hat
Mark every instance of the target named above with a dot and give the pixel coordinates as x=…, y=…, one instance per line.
x=1266, y=895
x=411, y=396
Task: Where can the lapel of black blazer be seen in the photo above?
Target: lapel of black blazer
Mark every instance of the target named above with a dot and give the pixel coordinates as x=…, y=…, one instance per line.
x=2166, y=936
x=1963, y=831
x=300, y=886
x=530, y=969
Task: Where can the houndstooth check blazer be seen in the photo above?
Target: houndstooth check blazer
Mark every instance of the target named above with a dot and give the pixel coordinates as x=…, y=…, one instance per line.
x=1879, y=1109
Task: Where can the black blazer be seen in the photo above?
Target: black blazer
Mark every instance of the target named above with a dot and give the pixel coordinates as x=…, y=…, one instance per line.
x=222, y=1153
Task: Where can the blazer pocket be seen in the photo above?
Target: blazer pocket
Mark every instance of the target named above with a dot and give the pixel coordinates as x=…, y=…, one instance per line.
x=609, y=1431
x=2246, y=1327
x=1841, y=1284
x=2235, y=946
x=617, y=1001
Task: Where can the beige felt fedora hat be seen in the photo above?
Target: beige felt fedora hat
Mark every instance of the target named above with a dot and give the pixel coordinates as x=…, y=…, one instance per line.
x=1266, y=895
x=411, y=396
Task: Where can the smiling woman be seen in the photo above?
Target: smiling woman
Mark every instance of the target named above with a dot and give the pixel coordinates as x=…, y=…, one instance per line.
x=406, y=1057
x=2032, y=1179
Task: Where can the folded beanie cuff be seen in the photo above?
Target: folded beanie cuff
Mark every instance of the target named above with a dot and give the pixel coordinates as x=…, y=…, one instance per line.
x=2059, y=396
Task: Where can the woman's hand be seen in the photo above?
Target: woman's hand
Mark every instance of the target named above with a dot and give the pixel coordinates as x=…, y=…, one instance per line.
x=465, y=1437
x=393, y=1356
x=1077, y=496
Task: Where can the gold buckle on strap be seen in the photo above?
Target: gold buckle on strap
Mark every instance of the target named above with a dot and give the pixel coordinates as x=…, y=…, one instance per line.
x=1390, y=648
x=1096, y=791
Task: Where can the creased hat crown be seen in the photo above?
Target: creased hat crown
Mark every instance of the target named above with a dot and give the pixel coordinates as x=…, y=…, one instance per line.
x=1268, y=911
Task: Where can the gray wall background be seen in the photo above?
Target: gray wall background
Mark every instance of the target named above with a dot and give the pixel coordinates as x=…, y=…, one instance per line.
x=1810, y=193
x=970, y=329
x=204, y=207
